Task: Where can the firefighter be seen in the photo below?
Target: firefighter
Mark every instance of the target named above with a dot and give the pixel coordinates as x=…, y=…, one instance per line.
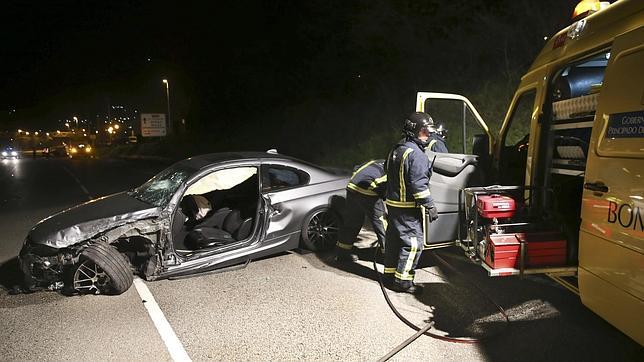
x=408, y=173
x=365, y=193
x=438, y=139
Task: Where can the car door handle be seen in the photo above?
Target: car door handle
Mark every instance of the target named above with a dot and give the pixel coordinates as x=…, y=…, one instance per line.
x=596, y=186
x=276, y=210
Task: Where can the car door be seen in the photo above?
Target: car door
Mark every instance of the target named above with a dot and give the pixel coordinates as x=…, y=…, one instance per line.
x=281, y=187
x=611, y=238
x=469, y=143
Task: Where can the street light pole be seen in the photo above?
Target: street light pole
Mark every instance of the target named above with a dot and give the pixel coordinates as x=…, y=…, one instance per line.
x=167, y=95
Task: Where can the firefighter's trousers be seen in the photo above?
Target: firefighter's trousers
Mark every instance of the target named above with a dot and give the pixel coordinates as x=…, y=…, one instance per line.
x=404, y=243
x=357, y=207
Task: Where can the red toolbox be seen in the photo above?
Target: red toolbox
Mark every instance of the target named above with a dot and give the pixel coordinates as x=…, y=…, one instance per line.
x=547, y=248
x=502, y=251
x=495, y=206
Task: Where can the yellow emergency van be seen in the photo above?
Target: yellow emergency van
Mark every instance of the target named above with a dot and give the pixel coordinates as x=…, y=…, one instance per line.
x=570, y=152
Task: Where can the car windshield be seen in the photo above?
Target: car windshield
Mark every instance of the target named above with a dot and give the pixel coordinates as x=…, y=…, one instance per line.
x=159, y=190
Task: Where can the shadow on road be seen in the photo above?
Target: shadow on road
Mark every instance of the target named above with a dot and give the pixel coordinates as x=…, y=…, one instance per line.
x=546, y=321
x=10, y=274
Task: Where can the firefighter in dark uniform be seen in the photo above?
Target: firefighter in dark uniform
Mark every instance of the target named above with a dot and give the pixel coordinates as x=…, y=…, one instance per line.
x=438, y=139
x=408, y=173
x=365, y=193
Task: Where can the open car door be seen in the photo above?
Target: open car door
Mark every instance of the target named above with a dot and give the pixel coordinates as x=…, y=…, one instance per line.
x=467, y=163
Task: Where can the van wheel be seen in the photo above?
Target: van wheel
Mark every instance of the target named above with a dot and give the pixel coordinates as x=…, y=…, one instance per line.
x=102, y=270
x=320, y=230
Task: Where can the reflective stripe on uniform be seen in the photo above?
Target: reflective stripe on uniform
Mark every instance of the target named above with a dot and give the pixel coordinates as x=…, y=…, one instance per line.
x=405, y=275
x=431, y=143
x=403, y=189
x=377, y=182
x=344, y=246
x=422, y=194
x=406, y=204
x=383, y=221
x=359, y=189
x=390, y=270
x=362, y=168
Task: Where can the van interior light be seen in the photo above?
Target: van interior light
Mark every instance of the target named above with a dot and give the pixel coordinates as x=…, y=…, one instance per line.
x=587, y=7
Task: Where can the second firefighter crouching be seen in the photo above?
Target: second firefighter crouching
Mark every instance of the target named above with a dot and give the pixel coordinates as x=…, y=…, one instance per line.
x=365, y=193
x=408, y=173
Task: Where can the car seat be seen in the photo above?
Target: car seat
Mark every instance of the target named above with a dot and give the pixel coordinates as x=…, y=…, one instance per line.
x=234, y=229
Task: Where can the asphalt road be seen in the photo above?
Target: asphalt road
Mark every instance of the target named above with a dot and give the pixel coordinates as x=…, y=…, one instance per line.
x=288, y=307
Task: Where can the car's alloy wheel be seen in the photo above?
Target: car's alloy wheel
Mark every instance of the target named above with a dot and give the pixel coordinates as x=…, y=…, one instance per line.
x=90, y=278
x=102, y=270
x=321, y=230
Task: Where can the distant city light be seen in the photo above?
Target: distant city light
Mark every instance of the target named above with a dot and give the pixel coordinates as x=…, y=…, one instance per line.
x=27, y=133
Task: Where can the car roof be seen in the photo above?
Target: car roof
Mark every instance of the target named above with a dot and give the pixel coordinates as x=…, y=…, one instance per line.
x=222, y=157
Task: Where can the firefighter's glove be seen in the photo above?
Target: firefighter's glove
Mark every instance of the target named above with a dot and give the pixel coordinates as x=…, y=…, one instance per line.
x=431, y=211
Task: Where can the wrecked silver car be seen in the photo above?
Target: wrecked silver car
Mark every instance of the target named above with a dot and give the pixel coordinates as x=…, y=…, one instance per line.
x=201, y=214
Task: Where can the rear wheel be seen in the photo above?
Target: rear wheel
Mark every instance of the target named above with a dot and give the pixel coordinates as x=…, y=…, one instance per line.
x=320, y=230
x=102, y=270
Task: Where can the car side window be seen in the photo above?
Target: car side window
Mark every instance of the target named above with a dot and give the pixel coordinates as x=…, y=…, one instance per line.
x=277, y=177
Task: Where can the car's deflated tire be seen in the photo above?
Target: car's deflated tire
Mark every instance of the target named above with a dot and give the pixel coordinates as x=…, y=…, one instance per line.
x=102, y=270
x=320, y=230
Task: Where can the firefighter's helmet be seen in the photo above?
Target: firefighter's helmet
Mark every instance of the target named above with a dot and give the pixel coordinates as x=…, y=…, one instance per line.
x=415, y=124
x=441, y=130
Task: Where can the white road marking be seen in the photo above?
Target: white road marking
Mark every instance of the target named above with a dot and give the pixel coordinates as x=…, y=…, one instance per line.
x=172, y=343
x=89, y=196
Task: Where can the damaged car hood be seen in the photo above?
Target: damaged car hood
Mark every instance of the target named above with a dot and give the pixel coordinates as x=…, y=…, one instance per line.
x=81, y=222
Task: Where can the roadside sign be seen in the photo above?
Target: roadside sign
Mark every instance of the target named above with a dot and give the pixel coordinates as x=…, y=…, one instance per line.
x=153, y=125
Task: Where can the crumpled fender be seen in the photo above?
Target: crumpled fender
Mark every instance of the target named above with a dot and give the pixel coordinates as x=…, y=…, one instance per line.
x=92, y=218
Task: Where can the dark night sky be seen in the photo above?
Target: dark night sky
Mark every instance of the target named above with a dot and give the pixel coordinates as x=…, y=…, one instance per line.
x=74, y=57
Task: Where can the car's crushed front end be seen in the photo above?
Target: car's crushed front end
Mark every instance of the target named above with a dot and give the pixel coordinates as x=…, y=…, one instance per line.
x=45, y=267
x=54, y=247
